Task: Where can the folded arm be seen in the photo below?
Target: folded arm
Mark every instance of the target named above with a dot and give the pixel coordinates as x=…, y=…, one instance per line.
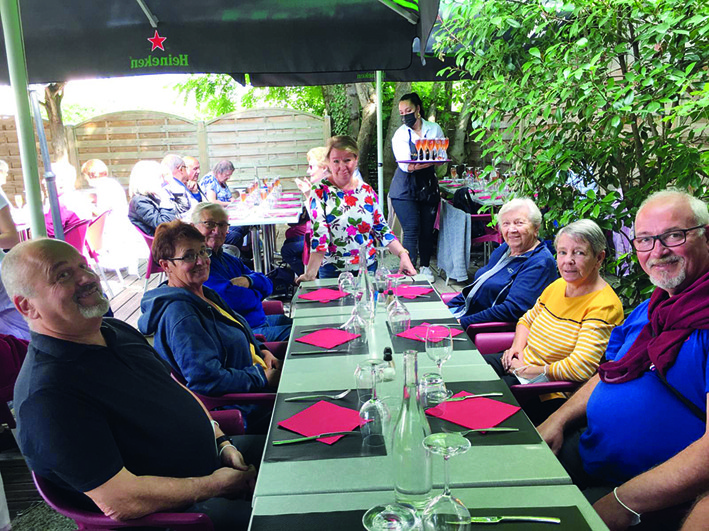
x=126, y=496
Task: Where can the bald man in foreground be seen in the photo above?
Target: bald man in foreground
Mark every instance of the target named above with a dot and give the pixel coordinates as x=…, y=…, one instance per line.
x=98, y=413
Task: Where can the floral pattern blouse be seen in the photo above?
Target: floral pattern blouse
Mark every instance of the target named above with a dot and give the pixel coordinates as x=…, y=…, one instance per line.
x=209, y=182
x=342, y=221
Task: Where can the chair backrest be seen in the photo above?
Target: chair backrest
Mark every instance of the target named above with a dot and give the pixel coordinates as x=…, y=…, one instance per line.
x=152, y=266
x=488, y=343
x=76, y=236
x=84, y=519
x=94, y=235
x=12, y=354
x=490, y=327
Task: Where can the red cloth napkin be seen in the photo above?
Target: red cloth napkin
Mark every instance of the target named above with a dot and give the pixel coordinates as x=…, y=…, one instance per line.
x=419, y=332
x=445, y=182
x=323, y=295
x=328, y=337
x=322, y=417
x=411, y=292
x=474, y=413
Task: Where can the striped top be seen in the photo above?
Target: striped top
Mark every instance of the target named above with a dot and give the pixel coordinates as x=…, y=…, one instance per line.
x=570, y=334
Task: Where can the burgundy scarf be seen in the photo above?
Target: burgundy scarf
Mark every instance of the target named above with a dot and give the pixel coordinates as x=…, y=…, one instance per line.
x=671, y=321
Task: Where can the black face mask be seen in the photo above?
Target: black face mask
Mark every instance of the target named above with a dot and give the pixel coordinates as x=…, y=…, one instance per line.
x=409, y=119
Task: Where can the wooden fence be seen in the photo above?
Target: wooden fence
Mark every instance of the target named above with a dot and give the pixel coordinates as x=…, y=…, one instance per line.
x=272, y=142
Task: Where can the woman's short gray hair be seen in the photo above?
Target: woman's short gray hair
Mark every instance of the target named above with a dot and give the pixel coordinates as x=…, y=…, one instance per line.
x=586, y=230
x=534, y=215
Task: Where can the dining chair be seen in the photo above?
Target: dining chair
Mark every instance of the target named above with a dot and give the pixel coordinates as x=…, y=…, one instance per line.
x=492, y=235
x=94, y=246
x=94, y=520
x=228, y=399
x=152, y=266
x=76, y=236
x=493, y=343
x=12, y=354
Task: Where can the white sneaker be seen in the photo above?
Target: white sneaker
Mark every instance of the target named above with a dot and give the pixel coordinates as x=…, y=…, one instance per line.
x=427, y=274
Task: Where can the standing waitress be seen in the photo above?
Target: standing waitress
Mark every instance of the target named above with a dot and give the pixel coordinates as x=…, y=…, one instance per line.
x=414, y=189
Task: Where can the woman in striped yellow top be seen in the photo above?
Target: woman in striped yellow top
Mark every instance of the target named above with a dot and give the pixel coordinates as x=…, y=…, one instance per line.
x=564, y=335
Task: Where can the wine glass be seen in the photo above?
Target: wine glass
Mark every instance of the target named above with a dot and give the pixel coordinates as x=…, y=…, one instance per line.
x=445, y=512
x=391, y=517
x=346, y=282
x=356, y=325
x=439, y=347
x=420, y=147
x=439, y=145
x=446, y=143
x=381, y=276
x=374, y=416
x=431, y=148
x=397, y=314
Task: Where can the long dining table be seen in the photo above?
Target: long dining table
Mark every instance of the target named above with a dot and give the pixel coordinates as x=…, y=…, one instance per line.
x=315, y=477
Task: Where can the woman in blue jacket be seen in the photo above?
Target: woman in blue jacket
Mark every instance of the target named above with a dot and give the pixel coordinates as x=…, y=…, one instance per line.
x=515, y=276
x=202, y=339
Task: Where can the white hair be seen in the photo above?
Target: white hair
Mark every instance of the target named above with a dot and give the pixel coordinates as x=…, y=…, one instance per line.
x=698, y=207
x=534, y=215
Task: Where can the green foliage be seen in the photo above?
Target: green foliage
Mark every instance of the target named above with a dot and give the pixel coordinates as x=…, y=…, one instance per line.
x=215, y=94
x=614, y=91
x=338, y=111
x=307, y=99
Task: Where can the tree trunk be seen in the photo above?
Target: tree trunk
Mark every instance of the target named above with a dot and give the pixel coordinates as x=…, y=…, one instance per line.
x=353, y=108
x=368, y=101
x=53, y=94
x=432, y=108
x=456, y=151
x=394, y=123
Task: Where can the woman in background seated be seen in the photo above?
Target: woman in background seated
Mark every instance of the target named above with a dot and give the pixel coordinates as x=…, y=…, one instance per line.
x=214, y=183
x=566, y=332
x=345, y=214
x=202, y=339
x=145, y=209
x=517, y=273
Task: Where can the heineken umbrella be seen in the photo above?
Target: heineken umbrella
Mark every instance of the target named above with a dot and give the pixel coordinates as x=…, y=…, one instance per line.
x=59, y=40
x=65, y=39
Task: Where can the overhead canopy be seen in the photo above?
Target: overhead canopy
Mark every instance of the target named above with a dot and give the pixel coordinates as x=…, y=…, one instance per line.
x=65, y=39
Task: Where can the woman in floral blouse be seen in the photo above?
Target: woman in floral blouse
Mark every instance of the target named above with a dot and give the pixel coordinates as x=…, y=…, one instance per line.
x=345, y=213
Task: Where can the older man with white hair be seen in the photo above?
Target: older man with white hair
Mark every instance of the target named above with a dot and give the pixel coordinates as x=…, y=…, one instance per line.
x=176, y=189
x=98, y=412
x=646, y=446
x=243, y=289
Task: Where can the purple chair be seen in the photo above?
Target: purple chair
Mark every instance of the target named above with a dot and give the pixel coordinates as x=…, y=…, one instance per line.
x=489, y=343
x=90, y=521
x=152, y=266
x=12, y=354
x=229, y=399
x=273, y=307
x=76, y=236
x=477, y=328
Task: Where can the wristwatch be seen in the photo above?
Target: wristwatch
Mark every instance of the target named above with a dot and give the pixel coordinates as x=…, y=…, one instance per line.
x=223, y=439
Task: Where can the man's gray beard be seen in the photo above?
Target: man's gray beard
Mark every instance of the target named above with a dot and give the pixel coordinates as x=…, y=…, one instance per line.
x=671, y=283
x=97, y=310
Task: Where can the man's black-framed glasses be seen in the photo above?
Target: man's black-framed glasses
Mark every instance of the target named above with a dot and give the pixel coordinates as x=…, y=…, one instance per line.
x=671, y=238
x=191, y=257
x=212, y=224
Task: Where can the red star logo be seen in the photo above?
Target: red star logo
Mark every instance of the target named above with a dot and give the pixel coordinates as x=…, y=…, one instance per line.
x=156, y=40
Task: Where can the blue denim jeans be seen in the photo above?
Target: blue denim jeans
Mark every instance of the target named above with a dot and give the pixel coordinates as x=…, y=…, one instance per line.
x=417, y=219
x=276, y=328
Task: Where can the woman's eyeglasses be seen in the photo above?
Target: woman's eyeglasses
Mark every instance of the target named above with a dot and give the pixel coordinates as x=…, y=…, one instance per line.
x=191, y=257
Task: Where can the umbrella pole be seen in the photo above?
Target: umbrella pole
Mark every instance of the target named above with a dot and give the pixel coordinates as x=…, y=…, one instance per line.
x=17, y=68
x=380, y=143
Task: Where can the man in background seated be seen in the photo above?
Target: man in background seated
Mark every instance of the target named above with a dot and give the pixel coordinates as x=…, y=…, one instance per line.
x=646, y=446
x=176, y=190
x=192, y=171
x=74, y=207
x=240, y=287
x=98, y=412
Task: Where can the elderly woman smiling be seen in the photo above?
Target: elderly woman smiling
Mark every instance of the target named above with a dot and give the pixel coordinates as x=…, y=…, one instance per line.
x=345, y=214
x=566, y=332
x=211, y=346
x=517, y=273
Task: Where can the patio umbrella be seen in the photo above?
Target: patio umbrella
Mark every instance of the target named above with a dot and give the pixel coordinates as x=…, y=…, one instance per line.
x=59, y=40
